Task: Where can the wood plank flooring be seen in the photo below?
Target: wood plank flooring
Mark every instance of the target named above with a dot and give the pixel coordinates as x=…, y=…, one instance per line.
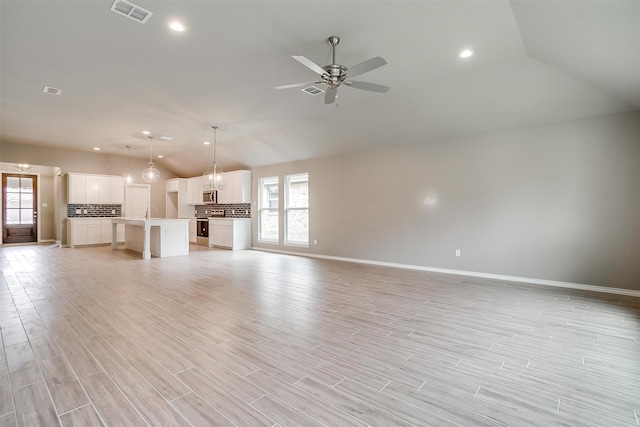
x=93, y=336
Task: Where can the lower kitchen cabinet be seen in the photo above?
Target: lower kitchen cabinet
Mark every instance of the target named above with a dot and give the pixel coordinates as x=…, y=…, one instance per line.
x=91, y=231
x=231, y=233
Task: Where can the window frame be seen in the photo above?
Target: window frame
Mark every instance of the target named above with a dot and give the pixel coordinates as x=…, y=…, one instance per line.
x=287, y=185
x=265, y=208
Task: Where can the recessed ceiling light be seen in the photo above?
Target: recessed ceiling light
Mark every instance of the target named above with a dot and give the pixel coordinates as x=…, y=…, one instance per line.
x=206, y=143
x=96, y=148
x=146, y=132
x=166, y=138
x=466, y=53
x=160, y=156
x=178, y=27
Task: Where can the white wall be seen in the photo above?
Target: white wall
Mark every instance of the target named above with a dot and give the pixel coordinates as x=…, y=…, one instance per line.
x=558, y=202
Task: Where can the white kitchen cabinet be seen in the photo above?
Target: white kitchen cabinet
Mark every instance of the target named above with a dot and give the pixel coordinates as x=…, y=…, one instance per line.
x=94, y=233
x=195, y=189
x=78, y=232
x=110, y=190
x=172, y=185
x=221, y=233
x=91, y=231
x=77, y=189
x=95, y=189
x=92, y=188
x=104, y=190
x=231, y=233
x=237, y=188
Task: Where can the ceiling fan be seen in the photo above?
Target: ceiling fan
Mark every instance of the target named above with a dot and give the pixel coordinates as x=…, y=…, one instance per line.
x=334, y=75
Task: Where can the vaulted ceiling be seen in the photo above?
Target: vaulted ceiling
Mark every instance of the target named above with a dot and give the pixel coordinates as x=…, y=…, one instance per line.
x=535, y=62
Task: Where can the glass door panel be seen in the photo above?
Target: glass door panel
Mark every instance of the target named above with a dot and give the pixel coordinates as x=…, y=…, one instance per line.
x=19, y=216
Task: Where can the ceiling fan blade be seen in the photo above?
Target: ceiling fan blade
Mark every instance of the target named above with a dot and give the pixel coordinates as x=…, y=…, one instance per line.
x=295, y=85
x=371, y=87
x=330, y=96
x=366, y=66
x=310, y=64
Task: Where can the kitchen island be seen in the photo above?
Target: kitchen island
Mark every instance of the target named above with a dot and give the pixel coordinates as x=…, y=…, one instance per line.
x=158, y=237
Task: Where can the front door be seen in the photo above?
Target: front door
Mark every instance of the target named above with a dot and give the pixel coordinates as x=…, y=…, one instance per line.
x=19, y=213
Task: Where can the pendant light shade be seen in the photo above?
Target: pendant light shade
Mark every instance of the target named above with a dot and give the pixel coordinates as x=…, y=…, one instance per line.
x=150, y=174
x=128, y=176
x=213, y=173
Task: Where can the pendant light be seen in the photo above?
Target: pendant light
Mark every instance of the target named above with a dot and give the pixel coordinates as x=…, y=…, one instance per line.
x=213, y=173
x=128, y=176
x=150, y=174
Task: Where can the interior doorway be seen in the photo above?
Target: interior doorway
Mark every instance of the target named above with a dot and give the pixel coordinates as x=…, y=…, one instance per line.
x=19, y=213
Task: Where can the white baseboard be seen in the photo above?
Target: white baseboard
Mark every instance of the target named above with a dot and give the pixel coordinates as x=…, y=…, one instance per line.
x=558, y=284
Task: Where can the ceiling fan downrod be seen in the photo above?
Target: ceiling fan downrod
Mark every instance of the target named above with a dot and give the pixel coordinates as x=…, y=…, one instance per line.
x=333, y=42
x=336, y=72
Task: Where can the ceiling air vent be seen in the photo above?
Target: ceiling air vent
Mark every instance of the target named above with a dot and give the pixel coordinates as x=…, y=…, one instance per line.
x=52, y=90
x=312, y=90
x=130, y=10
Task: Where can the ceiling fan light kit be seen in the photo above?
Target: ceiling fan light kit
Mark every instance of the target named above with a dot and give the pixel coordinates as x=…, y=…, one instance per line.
x=334, y=75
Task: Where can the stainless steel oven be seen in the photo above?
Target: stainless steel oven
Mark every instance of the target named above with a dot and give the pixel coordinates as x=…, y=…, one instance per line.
x=202, y=231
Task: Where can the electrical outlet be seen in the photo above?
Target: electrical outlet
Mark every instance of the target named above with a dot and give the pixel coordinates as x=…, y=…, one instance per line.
x=113, y=211
x=233, y=211
x=78, y=211
x=315, y=241
x=85, y=212
x=457, y=252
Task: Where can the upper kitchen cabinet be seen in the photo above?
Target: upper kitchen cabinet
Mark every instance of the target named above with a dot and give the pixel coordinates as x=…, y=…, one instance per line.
x=237, y=188
x=111, y=190
x=95, y=189
x=195, y=187
x=77, y=188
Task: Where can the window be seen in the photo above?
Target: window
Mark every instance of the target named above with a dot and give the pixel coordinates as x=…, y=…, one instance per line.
x=268, y=201
x=296, y=220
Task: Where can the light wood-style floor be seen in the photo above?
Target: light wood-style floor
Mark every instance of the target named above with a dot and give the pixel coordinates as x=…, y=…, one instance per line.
x=93, y=336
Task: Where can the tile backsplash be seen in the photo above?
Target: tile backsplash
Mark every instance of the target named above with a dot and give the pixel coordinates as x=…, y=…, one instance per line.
x=237, y=210
x=93, y=211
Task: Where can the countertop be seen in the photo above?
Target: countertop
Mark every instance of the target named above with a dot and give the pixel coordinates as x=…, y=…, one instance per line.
x=143, y=221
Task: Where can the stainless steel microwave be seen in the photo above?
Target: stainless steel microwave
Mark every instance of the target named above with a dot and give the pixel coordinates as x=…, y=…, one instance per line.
x=210, y=197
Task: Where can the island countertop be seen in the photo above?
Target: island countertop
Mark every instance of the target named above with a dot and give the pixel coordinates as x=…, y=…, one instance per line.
x=143, y=221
